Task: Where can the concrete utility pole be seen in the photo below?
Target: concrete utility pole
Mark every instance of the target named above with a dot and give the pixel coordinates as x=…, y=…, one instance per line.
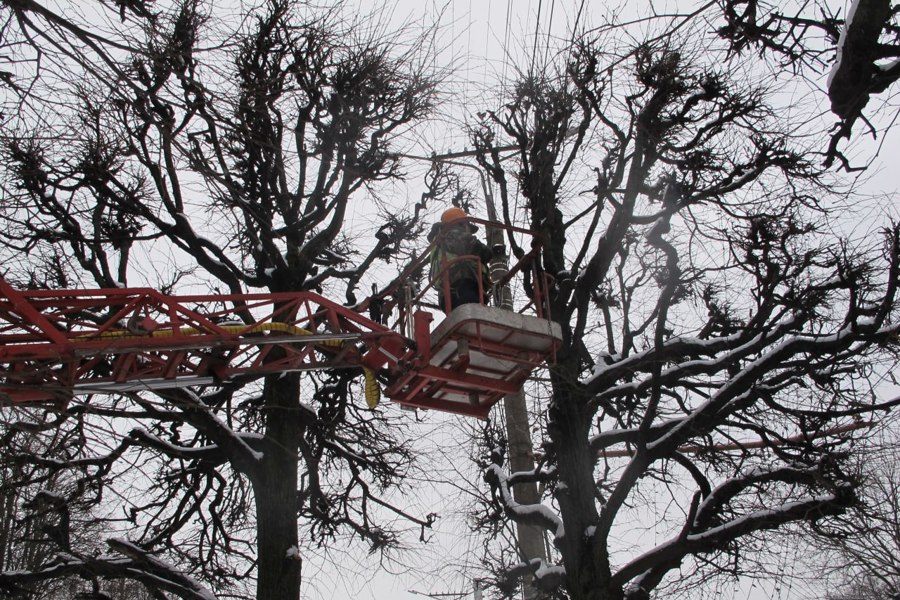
x=518, y=433
x=521, y=458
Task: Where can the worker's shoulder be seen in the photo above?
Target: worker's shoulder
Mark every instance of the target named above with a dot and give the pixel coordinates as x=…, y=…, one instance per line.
x=435, y=231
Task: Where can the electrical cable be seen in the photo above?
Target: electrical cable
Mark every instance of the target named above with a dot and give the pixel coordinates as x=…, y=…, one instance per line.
x=506, y=45
x=549, y=32
x=537, y=29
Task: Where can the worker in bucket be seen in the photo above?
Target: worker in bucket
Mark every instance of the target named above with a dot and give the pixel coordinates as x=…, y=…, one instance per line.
x=454, y=239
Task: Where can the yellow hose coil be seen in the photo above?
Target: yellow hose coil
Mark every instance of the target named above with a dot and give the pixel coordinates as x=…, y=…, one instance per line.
x=372, y=389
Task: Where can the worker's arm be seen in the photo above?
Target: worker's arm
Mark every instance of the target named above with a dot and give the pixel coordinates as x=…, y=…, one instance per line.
x=481, y=250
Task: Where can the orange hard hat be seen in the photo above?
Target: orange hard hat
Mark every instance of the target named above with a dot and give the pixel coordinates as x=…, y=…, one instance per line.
x=452, y=214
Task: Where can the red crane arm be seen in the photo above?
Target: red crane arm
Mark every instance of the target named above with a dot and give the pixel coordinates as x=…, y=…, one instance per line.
x=55, y=344
x=58, y=343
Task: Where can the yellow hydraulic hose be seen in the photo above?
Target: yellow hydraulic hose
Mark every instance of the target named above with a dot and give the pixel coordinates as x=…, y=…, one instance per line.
x=372, y=389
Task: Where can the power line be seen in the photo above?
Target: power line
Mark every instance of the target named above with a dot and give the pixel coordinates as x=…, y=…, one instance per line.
x=468, y=72
x=537, y=29
x=549, y=32
x=574, y=33
x=505, y=48
x=578, y=19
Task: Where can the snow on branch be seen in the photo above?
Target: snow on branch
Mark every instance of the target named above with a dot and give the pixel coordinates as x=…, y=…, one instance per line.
x=137, y=564
x=728, y=489
x=728, y=397
x=714, y=538
x=145, y=438
x=148, y=569
x=692, y=366
x=235, y=445
x=533, y=514
x=609, y=367
x=547, y=576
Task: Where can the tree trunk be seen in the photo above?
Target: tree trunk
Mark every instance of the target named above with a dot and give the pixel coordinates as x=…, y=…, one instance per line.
x=587, y=570
x=275, y=489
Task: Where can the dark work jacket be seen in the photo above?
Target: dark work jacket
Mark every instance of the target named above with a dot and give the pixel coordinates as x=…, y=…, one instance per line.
x=454, y=241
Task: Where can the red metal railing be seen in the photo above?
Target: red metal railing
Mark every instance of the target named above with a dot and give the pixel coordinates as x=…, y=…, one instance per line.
x=537, y=303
